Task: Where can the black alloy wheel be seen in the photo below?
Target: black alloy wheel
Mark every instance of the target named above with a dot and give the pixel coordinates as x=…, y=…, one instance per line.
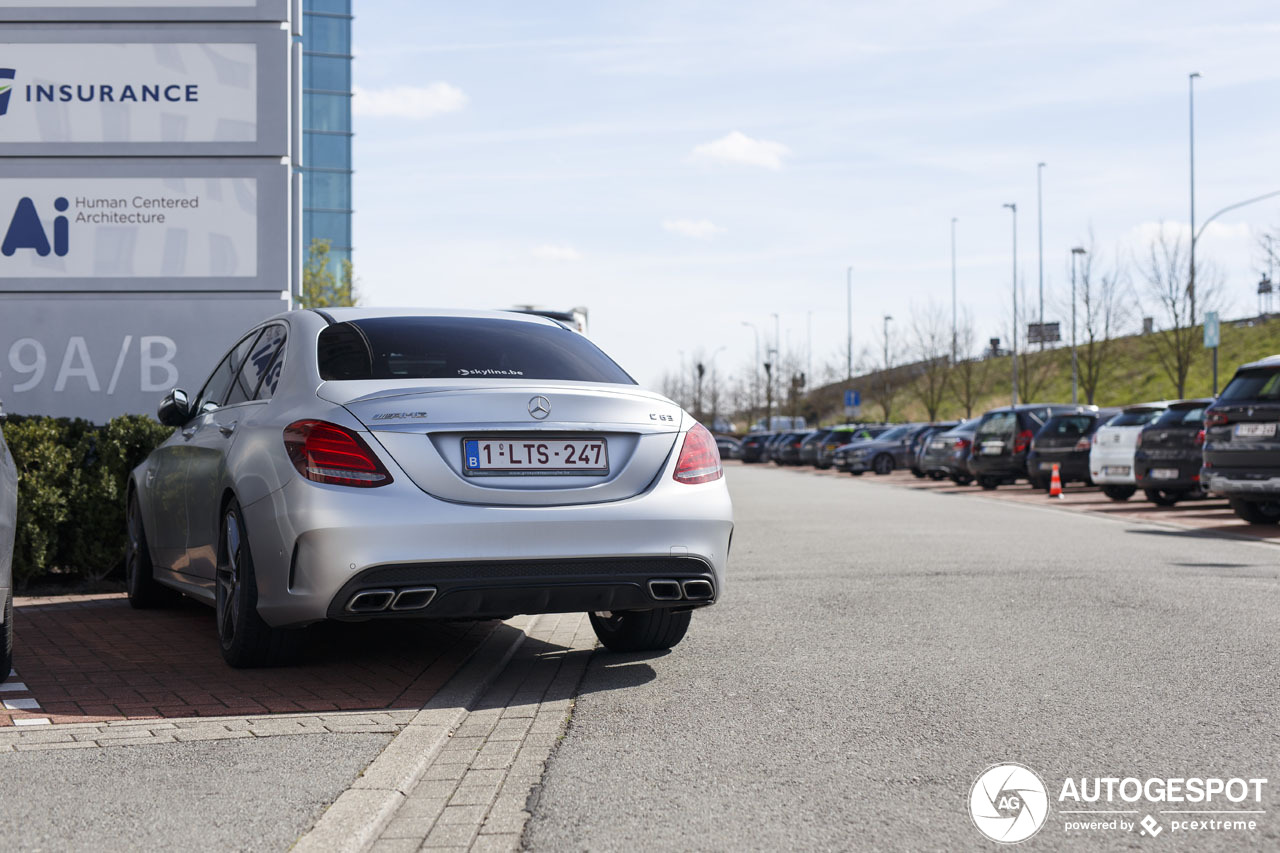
x=882, y=464
x=245, y=639
x=139, y=575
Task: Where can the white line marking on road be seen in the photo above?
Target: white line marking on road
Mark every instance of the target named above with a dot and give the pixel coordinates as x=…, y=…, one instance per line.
x=21, y=705
x=32, y=721
x=13, y=687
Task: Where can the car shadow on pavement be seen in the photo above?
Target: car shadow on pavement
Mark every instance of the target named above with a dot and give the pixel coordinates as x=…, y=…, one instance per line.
x=97, y=659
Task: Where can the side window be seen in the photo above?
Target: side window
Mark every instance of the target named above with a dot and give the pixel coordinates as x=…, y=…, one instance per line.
x=218, y=390
x=242, y=387
x=266, y=362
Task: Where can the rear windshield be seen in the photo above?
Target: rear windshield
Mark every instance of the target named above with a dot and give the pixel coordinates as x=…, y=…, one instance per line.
x=460, y=348
x=1001, y=423
x=1065, y=425
x=1257, y=384
x=1181, y=417
x=1133, y=418
x=894, y=434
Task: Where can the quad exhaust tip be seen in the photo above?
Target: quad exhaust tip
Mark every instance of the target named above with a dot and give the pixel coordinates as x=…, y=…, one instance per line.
x=665, y=590
x=371, y=601
x=413, y=598
x=698, y=590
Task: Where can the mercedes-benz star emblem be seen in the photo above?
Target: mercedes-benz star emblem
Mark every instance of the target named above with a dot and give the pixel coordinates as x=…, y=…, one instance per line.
x=539, y=407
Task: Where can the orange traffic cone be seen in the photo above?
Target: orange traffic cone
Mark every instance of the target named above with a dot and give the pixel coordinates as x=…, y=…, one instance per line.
x=1055, y=483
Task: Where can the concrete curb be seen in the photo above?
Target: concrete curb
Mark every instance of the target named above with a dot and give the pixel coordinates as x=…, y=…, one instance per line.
x=356, y=819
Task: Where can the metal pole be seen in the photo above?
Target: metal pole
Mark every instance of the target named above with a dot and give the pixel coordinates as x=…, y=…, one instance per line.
x=777, y=353
x=1075, y=371
x=808, y=344
x=953, y=290
x=1191, y=138
x=885, y=375
x=1040, y=231
x=848, y=284
x=755, y=385
x=1013, y=348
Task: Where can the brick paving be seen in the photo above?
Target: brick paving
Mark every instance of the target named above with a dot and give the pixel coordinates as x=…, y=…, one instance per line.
x=1211, y=516
x=94, y=659
x=473, y=795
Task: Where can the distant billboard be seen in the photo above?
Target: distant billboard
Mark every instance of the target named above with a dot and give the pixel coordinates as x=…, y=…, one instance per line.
x=144, y=10
x=99, y=358
x=120, y=225
x=144, y=91
x=1043, y=333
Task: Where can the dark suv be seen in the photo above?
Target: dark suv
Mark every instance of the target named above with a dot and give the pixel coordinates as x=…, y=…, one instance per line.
x=1000, y=445
x=1241, y=445
x=1065, y=440
x=1168, y=455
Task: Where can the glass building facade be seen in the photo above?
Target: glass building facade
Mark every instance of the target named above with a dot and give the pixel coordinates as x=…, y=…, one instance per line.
x=326, y=127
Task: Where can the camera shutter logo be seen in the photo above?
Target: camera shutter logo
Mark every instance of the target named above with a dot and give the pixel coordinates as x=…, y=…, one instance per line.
x=6, y=88
x=1008, y=803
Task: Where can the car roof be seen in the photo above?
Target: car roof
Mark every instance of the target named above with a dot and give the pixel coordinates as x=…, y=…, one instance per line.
x=1156, y=406
x=1269, y=361
x=346, y=315
x=1192, y=404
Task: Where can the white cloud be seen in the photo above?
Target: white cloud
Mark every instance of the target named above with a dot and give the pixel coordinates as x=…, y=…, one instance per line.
x=699, y=229
x=408, y=101
x=737, y=147
x=557, y=252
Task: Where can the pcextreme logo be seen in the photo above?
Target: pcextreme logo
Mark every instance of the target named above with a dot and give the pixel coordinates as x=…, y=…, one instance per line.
x=6, y=89
x=26, y=231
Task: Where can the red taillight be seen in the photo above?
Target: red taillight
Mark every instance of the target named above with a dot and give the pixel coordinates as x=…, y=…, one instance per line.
x=1216, y=418
x=1022, y=441
x=1084, y=443
x=961, y=443
x=327, y=453
x=1200, y=438
x=699, y=460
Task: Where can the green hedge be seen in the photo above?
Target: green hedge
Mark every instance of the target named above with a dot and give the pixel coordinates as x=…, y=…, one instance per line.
x=71, y=486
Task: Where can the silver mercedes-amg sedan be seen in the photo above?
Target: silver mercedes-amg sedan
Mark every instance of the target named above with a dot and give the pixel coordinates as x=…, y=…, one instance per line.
x=356, y=464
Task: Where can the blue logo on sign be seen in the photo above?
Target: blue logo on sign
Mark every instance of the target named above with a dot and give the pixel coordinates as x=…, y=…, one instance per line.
x=26, y=231
x=6, y=89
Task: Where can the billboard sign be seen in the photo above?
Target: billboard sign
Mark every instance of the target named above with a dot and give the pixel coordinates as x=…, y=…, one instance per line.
x=160, y=225
x=144, y=10
x=99, y=358
x=153, y=91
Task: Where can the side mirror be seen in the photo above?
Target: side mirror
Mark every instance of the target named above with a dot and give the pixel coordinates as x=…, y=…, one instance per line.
x=175, y=408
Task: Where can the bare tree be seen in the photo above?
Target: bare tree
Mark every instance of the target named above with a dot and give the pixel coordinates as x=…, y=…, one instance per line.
x=931, y=347
x=1034, y=368
x=971, y=375
x=1103, y=302
x=1165, y=271
x=884, y=384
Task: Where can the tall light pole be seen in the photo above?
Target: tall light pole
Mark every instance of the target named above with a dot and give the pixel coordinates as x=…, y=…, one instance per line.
x=1013, y=347
x=885, y=375
x=1040, y=232
x=777, y=360
x=755, y=382
x=1191, y=139
x=953, y=290
x=848, y=286
x=1075, y=374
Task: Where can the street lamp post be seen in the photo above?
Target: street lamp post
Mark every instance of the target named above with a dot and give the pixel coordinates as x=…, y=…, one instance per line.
x=1040, y=237
x=848, y=286
x=885, y=375
x=1013, y=347
x=755, y=373
x=953, y=290
x=1191, y=148
x=1075, y=374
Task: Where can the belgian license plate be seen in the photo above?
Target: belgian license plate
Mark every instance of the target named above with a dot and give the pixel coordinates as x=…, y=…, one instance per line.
x=587, y=456
x=1255, y=430
x=1164, y=473
x=1116, y=470
x=992, y=448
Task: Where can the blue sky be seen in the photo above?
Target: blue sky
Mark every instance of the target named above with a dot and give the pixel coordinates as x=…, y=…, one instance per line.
x=683, y=167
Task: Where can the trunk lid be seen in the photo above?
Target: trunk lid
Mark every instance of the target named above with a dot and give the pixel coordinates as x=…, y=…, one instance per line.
x=423, y=427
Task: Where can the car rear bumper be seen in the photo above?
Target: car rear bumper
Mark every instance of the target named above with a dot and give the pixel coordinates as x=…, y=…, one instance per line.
x=1260, y=483
x=310, y=542
x=1099, y=461
x=1073, y=467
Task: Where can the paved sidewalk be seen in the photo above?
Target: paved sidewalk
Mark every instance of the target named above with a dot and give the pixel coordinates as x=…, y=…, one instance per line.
x=473, y=795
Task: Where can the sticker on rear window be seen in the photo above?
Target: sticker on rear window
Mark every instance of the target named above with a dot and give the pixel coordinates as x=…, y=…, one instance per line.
x=489, y=371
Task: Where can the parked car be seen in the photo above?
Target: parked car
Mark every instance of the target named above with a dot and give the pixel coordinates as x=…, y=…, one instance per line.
x=920, y=442
x=1111, y=456
x=812, y=444
x=947, y=454
x=1169, y=452
x=1065, y=440
x=767, y=453
x=887, y=451
x=1003, y=438
x=8, y=529
x=788, y=451
x=359, y=463
x=842, y=435
x=753, y=446
x=1241, y=447
x=729, y=447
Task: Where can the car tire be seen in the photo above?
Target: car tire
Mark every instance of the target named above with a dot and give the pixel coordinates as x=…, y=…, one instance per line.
x=1163, y=497
x=936, y=475
x=989, y=484
x=917, y=473
x=857, y=473
x=6, y=639
x=640, y=630
x=1039, y=484
x=145, y=592
x=1119, y=493
x=882, y=464
x=961, y=479
x=244, y=638
x=1256, y=512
